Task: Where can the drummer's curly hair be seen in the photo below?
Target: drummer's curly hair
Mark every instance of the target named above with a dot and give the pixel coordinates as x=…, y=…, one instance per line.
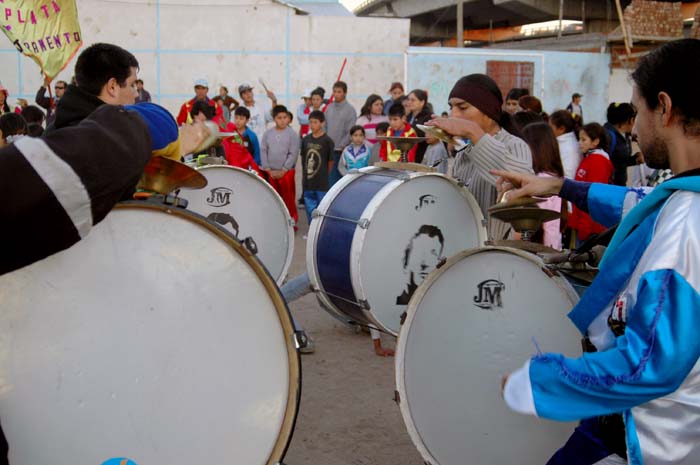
x=430, y=231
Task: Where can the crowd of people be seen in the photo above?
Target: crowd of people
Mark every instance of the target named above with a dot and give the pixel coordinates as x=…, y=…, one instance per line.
x=334, y=138
x=635, y=388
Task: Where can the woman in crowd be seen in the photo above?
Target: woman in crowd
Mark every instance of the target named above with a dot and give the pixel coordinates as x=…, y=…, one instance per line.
x=546, y=162
x=418, y=111
x=620, y=122
x=371, y=114
x=564, y=127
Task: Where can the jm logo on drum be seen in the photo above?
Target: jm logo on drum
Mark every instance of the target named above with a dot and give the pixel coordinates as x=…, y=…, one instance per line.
x=219, y=197
x=489, y=294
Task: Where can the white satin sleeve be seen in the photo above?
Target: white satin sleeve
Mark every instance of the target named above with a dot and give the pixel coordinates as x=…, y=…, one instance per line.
x=518, y=391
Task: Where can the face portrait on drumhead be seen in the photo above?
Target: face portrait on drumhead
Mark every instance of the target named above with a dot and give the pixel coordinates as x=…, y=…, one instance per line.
x=421, y=256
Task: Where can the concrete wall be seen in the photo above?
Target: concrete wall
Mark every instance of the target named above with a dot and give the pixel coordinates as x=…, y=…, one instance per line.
x=620, y=85
x=557, y=75
x=230, y=42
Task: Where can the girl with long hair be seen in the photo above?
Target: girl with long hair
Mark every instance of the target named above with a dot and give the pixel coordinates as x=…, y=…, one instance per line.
x=371, y=114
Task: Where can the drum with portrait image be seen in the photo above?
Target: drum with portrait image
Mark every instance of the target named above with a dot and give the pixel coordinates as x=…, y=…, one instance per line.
x=378, y=233
x=477, y=318
x=247, y=206
x=158, y=337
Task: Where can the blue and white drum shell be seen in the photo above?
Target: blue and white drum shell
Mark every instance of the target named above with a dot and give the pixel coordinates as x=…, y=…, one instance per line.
x=248, y=207
x=379, y=232
x=471, y=322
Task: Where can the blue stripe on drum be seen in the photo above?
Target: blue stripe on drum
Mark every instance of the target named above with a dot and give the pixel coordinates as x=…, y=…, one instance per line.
x=335, y=241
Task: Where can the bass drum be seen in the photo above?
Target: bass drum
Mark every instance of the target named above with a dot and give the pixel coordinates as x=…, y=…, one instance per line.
x=251, y=210
x=378, y=233
x=471, y=322
x=158, y=338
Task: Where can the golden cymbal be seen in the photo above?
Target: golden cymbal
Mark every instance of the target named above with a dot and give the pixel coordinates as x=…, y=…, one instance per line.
x=523, y=218
x=163, y=175
x=403, y=143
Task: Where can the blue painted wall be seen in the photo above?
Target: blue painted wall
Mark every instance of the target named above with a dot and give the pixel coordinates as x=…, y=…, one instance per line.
x=557, y=75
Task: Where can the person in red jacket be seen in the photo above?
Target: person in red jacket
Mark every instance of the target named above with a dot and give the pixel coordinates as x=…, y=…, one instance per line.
x=238, y=148
x=201, y=87
x=595, y=167
x=398, y=127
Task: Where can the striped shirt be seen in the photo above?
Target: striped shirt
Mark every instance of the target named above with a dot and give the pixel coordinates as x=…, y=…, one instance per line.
x=502, y=151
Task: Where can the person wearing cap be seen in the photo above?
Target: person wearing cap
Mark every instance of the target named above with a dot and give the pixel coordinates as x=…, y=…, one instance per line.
x=260, y=113
x=104, y=73
x=303, y=112
x=574, y=106
x=491, y=140
x=396, y=91
x=201, y=88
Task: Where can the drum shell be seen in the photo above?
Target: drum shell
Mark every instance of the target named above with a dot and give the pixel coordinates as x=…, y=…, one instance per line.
x=462, y=351
x=100, y=394
x=339, y=244
x=257, y=209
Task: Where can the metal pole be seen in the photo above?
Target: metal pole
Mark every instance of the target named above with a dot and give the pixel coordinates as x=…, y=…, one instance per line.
x=561, y=17
x=625, y=37
x=460, y=24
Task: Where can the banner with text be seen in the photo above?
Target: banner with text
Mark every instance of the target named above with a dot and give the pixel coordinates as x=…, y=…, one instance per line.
x=47, y=31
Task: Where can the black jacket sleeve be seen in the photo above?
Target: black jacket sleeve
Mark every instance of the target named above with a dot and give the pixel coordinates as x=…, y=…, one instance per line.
x=42, y=99
x=102, y=157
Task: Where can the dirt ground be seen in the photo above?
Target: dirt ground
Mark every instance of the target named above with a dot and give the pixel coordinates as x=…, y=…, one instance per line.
x=347, y=414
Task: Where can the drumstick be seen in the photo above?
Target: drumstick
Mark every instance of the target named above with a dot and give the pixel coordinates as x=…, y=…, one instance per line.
x=340, y=74
x=262, y=83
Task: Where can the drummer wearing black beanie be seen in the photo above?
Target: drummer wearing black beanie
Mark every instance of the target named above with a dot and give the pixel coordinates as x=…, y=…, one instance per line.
x=492, y=141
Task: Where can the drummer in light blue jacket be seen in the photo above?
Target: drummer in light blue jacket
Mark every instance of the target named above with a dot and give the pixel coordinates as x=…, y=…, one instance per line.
x=637, y=387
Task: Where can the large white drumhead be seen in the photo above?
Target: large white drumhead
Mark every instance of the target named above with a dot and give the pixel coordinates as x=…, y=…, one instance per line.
x=472, y=322
x=155, y=338
x=412, y=227
x=247, y=206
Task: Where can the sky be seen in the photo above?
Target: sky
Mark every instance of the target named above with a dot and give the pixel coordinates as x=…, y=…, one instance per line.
x=350, y=4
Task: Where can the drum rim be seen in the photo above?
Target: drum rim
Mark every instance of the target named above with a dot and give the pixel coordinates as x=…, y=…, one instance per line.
x=369, y=213
x=284, y=436
x=412, y=309
x=283, y=207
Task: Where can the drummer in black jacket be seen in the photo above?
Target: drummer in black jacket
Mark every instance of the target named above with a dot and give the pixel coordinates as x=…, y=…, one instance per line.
x=104, y=73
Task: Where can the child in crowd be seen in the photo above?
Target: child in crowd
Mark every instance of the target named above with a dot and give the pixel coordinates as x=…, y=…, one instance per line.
x=356, y=155
x=398, y=127
x=381, y=130
x=278, y=156
x=595, y=167
x=436, y=155
x=12, y=127
x=316, y=153
x=546, y=162
x=202, y=111
x=241, y=148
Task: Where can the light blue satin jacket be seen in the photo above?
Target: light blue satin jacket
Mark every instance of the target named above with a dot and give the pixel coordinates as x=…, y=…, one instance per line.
x=648, y=280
